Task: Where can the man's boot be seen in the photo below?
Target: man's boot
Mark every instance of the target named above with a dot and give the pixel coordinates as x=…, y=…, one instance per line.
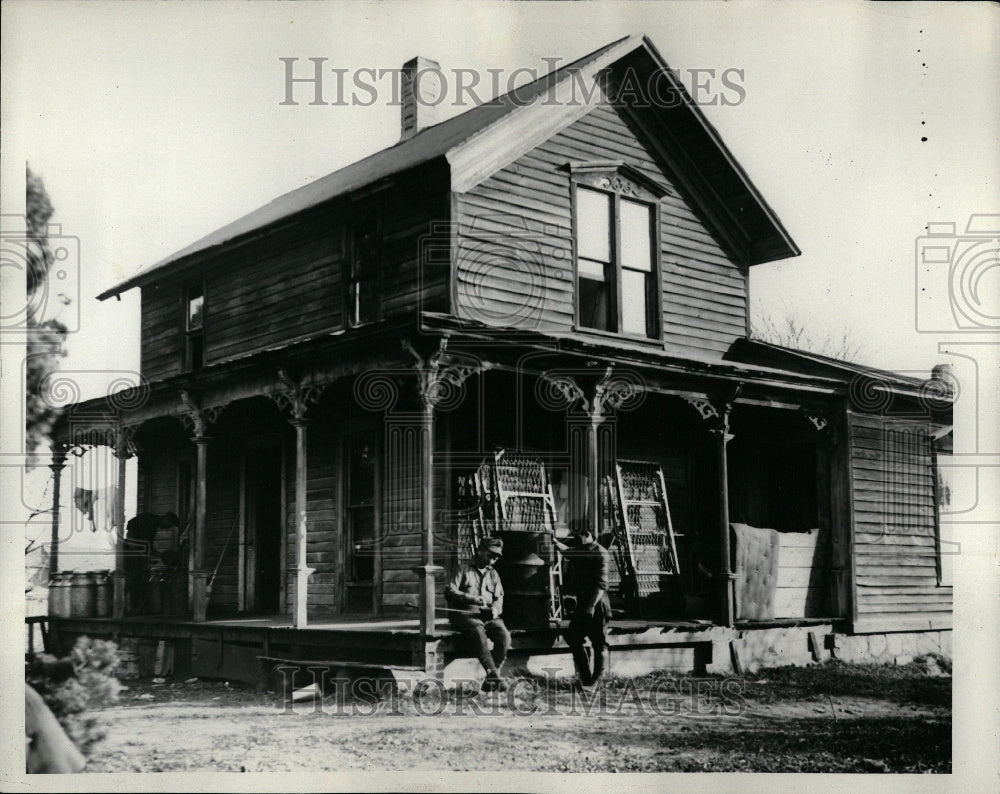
x=581, y=660
x=601, y=663
x=493, y=682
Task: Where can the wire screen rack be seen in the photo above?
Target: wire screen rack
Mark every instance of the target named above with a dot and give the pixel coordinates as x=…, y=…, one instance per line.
x=643, y=528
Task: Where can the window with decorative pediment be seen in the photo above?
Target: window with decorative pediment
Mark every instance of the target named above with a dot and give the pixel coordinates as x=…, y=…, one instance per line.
x=617, y=263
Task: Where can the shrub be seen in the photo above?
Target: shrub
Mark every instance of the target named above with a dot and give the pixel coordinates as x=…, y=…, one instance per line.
x=92, y=686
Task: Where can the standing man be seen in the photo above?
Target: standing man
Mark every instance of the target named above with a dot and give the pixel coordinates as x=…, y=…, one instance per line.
x=475, y=596
x=140, y=533
x=588, y=581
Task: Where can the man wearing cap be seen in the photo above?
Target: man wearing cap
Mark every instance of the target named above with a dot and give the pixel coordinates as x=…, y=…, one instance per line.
x=475, y=595
x=589, y=564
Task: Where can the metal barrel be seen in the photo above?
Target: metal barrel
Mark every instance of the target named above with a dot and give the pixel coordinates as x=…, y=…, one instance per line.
x=83, y=595
x=524, y=572
x=104, y=594
x=59, y=595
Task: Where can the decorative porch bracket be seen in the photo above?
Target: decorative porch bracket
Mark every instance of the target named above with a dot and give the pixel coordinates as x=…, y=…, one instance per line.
x=197, y=420
x=703, y=407
x=611, y=392
x=819, y=422
x=440, y=385
x=721, y=407
x=294, y=398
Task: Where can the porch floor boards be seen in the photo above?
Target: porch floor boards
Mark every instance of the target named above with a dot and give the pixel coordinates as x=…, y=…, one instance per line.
x=396, y=626
x=387, y=633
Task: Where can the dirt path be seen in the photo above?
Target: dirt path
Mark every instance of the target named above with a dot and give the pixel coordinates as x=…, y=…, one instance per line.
x=827, y=718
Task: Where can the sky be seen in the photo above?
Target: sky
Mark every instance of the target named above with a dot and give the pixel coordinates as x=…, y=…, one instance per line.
x=154, y=123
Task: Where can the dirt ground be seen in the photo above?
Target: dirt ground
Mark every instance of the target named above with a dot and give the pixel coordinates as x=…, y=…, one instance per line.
x=832, y=717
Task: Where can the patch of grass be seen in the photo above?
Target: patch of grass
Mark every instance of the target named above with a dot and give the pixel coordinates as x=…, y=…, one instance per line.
x=807, y=745
x=908, y=683
x=864, y=745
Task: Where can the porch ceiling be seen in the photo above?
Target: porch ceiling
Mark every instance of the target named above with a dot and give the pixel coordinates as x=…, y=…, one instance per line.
x=317, y=361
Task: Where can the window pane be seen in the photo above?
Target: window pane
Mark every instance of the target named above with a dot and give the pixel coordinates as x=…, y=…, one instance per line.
x=366, y=310
x=634, y=290
x=593, y=225
x=195, y=351
x=196, y=305
x=361, y=474
x=362, y=544
x=595, y=298
x=591, y=270
x=635, y=229
x=365, y=253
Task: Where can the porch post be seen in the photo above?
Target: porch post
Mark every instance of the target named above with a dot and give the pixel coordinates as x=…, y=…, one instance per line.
x=726, y=575
x=199, y=576
x=594, y=470
x=439, y=380
x=57, y=466
x=302, y=570
x=118, y=582
x=295, y=397
x=428, y=572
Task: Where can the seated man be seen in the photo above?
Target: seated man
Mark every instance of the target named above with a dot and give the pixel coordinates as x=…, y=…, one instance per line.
x=589, y=564
x=475, y=596
x=140, y=533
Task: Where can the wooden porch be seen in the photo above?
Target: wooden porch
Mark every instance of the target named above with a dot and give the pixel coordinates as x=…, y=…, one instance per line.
x=232, y=647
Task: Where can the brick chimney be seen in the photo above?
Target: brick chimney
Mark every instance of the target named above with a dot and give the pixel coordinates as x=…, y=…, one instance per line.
x=421, y=93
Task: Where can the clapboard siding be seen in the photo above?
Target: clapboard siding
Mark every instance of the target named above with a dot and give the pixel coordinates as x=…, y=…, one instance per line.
x=158, y=491
x=402, y=494
x=159, y=473
x=514, y=261
x=895, y=532
x=290, y=283
x=160, y=346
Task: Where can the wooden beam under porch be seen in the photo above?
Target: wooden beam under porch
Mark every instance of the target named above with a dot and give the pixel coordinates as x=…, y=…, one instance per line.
x=230, y=648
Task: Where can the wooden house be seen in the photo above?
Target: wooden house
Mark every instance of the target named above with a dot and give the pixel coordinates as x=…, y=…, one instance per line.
x=561, y=272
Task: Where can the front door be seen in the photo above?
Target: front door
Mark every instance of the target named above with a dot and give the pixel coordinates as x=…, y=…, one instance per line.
x=361, y=522
x=262, y=501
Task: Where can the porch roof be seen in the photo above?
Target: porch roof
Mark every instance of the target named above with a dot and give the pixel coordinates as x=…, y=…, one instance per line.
x=767, y=372
x=332, y=356
x=754, y=351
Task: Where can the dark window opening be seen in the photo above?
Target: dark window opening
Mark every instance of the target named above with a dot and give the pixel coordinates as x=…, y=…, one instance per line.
x=363, y=294
x=360, y=522
x=194, y=328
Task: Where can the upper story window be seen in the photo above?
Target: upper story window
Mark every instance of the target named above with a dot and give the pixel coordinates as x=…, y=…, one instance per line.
x=363, y=289
x=194, y=327
x=615, y=224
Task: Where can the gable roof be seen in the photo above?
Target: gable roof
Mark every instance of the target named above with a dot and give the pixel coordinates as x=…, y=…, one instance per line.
x=456, y=138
